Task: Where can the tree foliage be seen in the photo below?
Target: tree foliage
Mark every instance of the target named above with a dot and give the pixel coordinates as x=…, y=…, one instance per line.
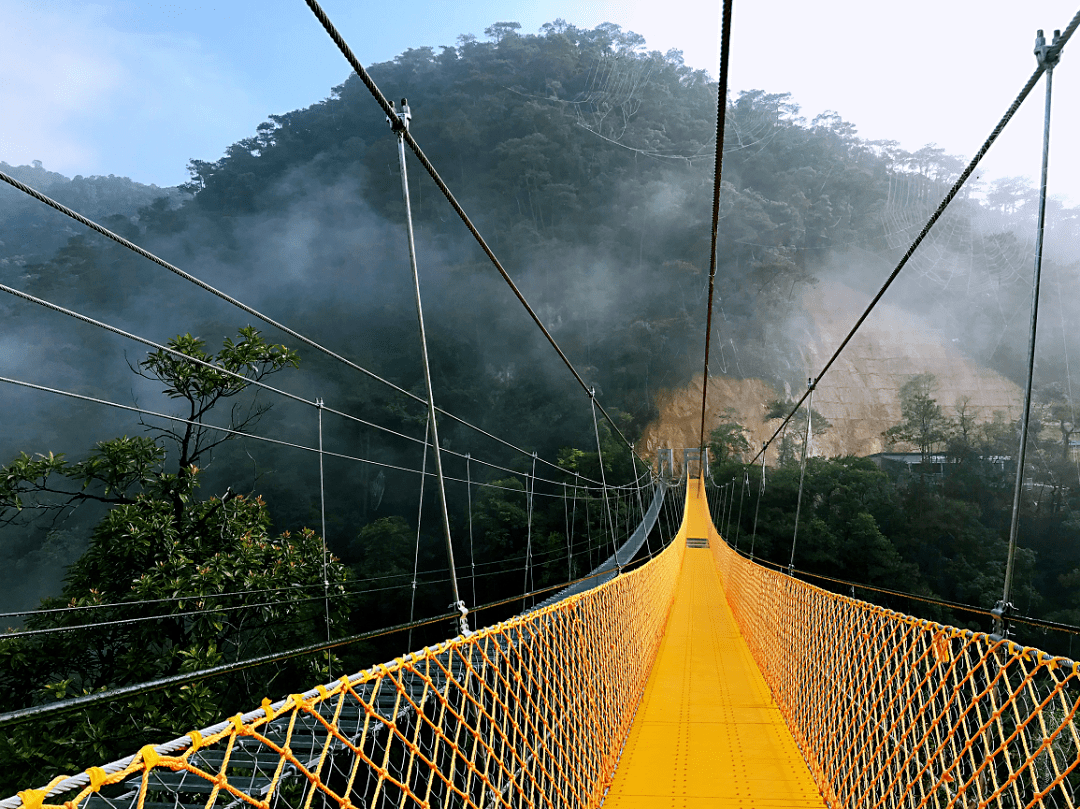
x=172, y=582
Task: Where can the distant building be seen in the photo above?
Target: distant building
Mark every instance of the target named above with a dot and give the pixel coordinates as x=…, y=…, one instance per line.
x=911, y=463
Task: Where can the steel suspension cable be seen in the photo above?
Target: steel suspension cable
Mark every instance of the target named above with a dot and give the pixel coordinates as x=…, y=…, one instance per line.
x=238, y=433
x=157, y=346
x=38, y=712
x=130, y=245
x=468, y=495
x=721, y=114
x=603, y=477
x=802, y=471
x=761, y=494
x=1053, y=52
x=401, y=127
x=419, y=520
x=1049, y=61
x=408, y=138
x=322, y=523
x=528, y=531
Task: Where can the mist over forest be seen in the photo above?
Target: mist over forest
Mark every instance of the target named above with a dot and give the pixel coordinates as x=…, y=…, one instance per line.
x=586, y=160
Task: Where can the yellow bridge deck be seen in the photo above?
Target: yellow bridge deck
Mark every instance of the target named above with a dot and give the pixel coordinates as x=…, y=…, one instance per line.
x=707, y=732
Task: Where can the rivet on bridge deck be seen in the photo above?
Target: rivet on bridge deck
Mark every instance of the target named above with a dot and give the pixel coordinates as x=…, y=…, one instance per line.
x=707, y=731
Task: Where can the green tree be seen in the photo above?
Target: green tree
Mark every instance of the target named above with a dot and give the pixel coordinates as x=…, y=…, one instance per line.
x=728, y=441
x=794, y=436
x=924, y=424
x=172, y=582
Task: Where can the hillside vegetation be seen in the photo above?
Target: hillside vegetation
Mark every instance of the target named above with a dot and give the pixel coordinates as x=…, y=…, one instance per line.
x=586, y=160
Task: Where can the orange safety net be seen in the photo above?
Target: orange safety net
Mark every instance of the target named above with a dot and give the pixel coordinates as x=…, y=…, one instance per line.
x=892, y=711
x=529, y=712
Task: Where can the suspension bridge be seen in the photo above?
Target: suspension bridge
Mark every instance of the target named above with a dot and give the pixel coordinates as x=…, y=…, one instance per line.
x=686, y=675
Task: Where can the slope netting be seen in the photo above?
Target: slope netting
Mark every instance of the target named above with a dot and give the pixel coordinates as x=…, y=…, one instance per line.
x=893, y=711
x=529, y=712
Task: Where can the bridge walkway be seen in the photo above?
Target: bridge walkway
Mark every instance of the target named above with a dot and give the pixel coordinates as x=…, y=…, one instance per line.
x=707, y=732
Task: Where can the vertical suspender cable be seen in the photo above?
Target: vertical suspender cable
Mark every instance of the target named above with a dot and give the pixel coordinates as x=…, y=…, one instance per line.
x=603, y=479
x=1050, y=59
x=468, y=495
x=640, y=505
x=761, y=494
x=419, y=522
x=573, y=514
x=730, y=510
x=325, y=551
x=802, y=472
x=528, y=531
x=742, y=496
x=400, y=125
x=721, y=112
x=566, y=531
x=722, y=491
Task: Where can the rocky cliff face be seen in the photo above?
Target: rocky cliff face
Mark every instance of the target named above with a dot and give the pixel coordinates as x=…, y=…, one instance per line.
x=860, y=394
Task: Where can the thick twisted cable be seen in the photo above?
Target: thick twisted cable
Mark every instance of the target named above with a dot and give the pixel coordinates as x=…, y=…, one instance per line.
x=388, y=108
x=1005, y=119
x=718, y=171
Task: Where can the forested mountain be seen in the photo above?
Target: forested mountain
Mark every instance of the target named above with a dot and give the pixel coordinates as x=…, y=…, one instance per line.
x=31, y=233
x=586, y=160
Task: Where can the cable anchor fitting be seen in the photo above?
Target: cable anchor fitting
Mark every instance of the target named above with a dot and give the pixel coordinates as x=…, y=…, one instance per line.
x=1047, y=55
x=464, y=619
x=1001, y=612
x=401, y=119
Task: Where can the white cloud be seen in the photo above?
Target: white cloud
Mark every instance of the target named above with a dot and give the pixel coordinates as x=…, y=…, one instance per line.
x=87, y=98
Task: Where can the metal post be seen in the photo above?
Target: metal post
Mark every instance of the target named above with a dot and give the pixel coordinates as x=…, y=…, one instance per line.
x=802, y=473
x=1048, y=56
x=400, y=126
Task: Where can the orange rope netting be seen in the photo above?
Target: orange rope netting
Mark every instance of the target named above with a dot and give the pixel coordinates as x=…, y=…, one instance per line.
x=529, y=712
x=890, y=710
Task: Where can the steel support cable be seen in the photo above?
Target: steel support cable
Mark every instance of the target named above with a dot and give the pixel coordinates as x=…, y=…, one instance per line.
x=528, y=530
x=1055, y=50
x=351, y=591
x=742, y=496
x=721, y=115
x=264, y=439
x=603, y=477
x=419, y=524
x=802, y=471
x=66, y=706
x=145, y=412
x=1049, y=63
x=322, y=523
x=188, y=358
x=1038, y=623
x=130, y=245
x=388, y=108
x=401, y=126
x=253, y=312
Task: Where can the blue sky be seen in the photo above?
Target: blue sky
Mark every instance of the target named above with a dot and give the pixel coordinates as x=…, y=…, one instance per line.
x=138, y=88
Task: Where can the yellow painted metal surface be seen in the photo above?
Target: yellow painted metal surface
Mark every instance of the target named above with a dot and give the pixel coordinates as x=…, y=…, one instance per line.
x=707, y=732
